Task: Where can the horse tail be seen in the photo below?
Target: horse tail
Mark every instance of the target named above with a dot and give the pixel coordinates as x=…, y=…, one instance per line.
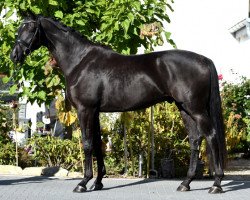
x=215, y=112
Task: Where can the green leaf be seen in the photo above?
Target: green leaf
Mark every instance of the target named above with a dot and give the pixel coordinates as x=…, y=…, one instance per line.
x=13, y=89
x=104, y=26
x=80, y=22
x=135, y=31
x=170, y=41
x=125, y=24
x=9, y=13
x=137, y=5
x=89, y=10
x=131, y=17
x=42, y=95
x=170, y=7
x=23, y=5
x=5, y=79
x=116, y=27
x=56, y=80
x=35, y=9
x=26, y=91
x=59, y=14
x=49, y=82
x=52, y=2
x=167, y=35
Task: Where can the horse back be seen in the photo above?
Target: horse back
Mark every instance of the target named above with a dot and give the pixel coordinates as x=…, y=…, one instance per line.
x=115, y=82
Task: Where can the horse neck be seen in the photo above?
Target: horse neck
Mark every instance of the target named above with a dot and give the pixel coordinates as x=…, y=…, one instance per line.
x=66, y=48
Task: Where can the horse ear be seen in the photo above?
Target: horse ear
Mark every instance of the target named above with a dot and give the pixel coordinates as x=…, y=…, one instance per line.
x=30, y=14
x=27, y=14
x=22, y=13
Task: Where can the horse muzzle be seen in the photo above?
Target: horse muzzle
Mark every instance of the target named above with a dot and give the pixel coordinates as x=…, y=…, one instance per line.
x=17, y=55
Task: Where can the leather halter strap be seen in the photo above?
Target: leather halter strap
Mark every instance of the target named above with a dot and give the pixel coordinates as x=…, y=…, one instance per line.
x=26, y=44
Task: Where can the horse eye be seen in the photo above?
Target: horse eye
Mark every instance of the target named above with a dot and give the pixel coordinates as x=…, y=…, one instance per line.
x=31, y=25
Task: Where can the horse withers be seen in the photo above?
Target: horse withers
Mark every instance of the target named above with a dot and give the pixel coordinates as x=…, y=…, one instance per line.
x=99, y=79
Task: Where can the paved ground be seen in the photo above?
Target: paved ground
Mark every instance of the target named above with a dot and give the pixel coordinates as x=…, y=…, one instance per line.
x=44, y=188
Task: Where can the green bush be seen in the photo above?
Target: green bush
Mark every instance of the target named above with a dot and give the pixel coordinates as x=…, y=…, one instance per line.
x=7, y=153
x=51, y=151
x=7, y=147
x=236, y=112
x=5, y=122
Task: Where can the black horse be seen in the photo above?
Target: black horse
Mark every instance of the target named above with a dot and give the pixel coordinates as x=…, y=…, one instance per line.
x=101, y=80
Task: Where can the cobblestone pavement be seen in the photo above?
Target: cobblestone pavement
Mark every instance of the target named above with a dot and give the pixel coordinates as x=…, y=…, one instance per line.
x=44, y=188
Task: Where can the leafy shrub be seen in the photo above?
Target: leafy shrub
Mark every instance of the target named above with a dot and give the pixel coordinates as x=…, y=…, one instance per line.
x=170, y=135
x=5, y=122
x=234, y=134
x=51, y=151
x=7, y=153
x=7, y=147
x=236, y=112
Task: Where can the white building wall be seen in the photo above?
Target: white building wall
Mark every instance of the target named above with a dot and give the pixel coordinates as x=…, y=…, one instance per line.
x=31, y=112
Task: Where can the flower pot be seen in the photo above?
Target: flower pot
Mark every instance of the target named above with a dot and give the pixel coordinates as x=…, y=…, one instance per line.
x=167, y=168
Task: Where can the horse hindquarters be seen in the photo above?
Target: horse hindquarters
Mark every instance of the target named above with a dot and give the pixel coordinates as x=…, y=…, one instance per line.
x=200, y=124
x=207, y=116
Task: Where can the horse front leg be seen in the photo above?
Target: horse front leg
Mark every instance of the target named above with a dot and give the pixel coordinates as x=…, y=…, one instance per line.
x=86, y=119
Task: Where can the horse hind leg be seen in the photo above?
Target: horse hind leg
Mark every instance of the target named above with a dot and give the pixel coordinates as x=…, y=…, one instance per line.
x=195, y=142
x=205, y=126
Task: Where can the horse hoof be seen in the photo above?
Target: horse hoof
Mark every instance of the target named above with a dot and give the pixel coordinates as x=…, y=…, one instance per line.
x=183, y=188
x=215, y=190
x=98, y=186
x=80, y=189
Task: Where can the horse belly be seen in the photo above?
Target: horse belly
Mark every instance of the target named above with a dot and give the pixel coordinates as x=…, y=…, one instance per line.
x=135, y=95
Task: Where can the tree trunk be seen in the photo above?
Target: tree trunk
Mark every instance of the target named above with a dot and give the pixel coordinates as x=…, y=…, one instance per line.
x=125, y=149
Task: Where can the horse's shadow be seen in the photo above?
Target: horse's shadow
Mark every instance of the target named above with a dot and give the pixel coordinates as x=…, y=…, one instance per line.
x=236, y=185
x=24, y=180
x=140, y=182
x=233, y=185
x=47, y=173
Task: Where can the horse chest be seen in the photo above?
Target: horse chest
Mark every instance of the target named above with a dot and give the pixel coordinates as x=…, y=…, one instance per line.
x=82, y=95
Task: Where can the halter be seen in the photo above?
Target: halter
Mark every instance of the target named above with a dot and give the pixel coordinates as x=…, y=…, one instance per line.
x=24, y=43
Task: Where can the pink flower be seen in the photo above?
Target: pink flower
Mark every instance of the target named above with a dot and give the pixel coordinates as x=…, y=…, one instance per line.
x=220, y=77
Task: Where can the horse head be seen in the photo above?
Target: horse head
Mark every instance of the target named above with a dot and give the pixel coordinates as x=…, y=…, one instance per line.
x=28, y=38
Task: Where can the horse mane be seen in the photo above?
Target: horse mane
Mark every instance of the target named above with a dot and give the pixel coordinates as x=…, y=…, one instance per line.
x=76, y=33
